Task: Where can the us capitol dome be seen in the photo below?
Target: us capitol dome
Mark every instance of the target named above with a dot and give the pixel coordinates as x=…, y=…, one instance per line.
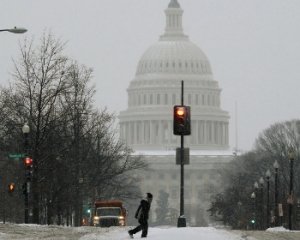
x=147, y=123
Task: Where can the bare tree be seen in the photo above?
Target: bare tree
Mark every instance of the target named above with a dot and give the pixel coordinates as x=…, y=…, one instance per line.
x=77, y=157
x=272, y=144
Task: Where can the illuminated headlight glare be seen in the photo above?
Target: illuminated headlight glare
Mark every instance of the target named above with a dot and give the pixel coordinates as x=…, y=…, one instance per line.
x=96, y=220
x=121, y=222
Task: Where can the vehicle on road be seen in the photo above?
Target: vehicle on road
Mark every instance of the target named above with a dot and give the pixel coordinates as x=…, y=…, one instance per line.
x=109, y=213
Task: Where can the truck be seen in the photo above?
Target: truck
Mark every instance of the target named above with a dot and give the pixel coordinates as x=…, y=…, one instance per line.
x=109, y=213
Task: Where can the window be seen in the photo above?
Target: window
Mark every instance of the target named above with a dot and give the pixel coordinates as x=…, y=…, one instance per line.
x=197, y=99
x=173, y=98
x=166, y=99
x=209, y=125
x=151, y=99
x=158, y=99
x=190, y=99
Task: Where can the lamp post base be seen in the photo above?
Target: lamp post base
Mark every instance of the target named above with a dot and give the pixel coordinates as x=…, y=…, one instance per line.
x=181, y=222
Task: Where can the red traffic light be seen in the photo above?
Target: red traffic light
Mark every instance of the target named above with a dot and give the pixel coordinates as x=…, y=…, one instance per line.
x=11, y=187
x=28, y=162
x=180, y=111
x=182, y=120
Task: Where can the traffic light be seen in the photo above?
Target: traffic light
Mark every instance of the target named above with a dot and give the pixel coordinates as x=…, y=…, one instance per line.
x=28, y=162
x=182, y=120
x=252, y=221
x=11, y=187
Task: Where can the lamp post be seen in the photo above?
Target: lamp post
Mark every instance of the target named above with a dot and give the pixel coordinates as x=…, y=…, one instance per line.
x=291, y=193
x=14, y=30
x=256, y=186
x=256, y=191
x=276, y=166
x=253, y=220
x=268, y=175
x=26, y=130
x=239, y=204
x=262, y=217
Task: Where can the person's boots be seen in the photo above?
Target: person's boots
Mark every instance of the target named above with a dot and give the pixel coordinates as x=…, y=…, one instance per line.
x=130, y=234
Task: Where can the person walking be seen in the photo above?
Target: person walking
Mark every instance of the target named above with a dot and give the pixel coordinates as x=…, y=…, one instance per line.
x=142, y=215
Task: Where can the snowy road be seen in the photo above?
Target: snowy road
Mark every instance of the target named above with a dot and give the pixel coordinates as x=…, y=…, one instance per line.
x=34, y=232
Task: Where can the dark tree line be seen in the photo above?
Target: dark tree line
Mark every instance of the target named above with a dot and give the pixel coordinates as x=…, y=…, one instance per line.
x=235, y=207
x=77, y=157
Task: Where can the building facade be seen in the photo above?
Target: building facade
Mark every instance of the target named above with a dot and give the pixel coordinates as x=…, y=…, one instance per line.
x=147, y=124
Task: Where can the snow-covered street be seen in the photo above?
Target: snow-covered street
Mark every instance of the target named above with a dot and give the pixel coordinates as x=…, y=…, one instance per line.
x=34, y=232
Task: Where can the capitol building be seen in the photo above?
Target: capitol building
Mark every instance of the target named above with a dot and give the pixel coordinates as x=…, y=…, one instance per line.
x=147, y=124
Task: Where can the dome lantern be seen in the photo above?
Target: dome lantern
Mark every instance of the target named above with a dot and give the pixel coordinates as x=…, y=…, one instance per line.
x=173, y=28
x=174, y=4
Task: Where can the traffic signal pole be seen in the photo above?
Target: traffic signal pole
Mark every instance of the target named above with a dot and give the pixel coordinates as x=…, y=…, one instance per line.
x=181, y=220
x=25, y=186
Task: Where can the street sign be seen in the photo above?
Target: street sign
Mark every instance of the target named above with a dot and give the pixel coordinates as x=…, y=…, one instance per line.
x=186, y=156
x=280, y=210
x=298, y=211
x=16, y=155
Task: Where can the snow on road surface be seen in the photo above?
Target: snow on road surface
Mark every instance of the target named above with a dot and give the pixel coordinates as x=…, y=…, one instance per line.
x=53, y=232
x=172, y=233
x=32, y=231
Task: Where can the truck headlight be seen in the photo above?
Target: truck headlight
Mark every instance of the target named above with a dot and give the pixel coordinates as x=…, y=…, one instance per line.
x=96, y=220
x=122, y=221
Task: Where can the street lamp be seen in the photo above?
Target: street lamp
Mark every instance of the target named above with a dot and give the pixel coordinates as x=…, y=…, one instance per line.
x=256, y=191
x=256, y=185
x=291, y=193
x=276, y=166
x=268, y=175
x=253, y=220
x=14, y=30
x=26, y=130
x=262, y=218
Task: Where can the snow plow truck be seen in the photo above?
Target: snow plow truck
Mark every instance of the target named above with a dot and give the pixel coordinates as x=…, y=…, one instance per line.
x=109, y=213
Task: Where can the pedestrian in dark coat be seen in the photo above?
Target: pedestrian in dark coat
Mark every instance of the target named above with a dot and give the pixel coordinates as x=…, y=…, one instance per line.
x=142, y=215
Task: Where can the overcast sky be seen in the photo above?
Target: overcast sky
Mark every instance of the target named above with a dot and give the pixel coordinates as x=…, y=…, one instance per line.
x=253, y=47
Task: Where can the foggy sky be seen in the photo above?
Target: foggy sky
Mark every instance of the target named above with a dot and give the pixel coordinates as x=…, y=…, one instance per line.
x=253, y=47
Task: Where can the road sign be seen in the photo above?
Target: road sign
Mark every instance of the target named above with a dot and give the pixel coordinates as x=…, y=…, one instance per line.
x=298, y=211
x=280, y=210
x=186, y=156
x=16, y=155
